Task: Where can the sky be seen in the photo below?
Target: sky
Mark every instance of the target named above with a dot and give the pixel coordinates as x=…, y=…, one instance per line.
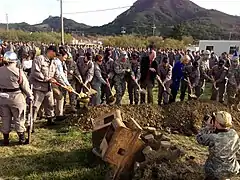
x=35, y=11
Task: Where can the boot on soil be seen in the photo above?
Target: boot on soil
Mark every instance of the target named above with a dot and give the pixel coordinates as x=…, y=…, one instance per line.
x=50, y=122
x=60, y=118
x=21, y=137
x=73, y=109
x=5, y=139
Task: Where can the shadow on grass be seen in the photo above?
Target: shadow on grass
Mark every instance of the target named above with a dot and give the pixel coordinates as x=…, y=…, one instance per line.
x=20, y=166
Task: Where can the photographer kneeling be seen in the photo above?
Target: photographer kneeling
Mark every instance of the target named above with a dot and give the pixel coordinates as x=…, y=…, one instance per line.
x=223, y=143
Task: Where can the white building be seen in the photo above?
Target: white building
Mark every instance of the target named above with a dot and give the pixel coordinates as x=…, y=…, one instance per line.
x=219, y=46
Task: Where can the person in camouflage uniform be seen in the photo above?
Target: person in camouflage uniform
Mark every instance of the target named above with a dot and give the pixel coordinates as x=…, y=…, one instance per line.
x=121, y=67
x=223, y=144
x=204, y=73
x=192, y=73
x=135, y=76
x=233, y=87
x=219, y=74
x=73, y=76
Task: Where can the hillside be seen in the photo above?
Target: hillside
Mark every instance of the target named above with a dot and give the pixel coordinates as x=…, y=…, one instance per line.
x=173, y=18
x=49, y=24
x=190, y=18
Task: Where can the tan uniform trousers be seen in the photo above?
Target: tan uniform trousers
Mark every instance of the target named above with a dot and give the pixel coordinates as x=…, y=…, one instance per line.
x=59, y=100
x=45, y=98
x=12, y=110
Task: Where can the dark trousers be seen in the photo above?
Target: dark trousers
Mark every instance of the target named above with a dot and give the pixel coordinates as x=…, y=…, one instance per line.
x=133, y=92
x=147, y=85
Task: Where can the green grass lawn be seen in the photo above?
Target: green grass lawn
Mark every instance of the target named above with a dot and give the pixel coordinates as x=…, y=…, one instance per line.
x=62, y=153
x=59, y=153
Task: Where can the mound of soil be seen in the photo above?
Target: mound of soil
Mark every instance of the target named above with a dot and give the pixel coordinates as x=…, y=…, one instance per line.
x=166, y=170
x=180, y=117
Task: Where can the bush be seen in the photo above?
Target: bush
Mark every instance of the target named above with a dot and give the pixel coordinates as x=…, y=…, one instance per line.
x=142, y=42
x=46, y=37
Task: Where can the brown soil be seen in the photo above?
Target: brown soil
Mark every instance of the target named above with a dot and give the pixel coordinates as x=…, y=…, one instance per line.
x=181, y=117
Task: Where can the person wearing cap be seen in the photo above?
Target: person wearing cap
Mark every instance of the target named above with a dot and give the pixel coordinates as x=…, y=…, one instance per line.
x=86, y=69
x=219, y=75
x=107, y=70
x=177, y=75
x=73, y=76
x=213, y=60
x=97, y=81
x=223, y=145
x=148, y=68
x=134, y=77
x=233, y=86
x=121, y=68
x=204, y=72
x=165, y=74
x=44, y=73
x=190, y=79
x=13, y=86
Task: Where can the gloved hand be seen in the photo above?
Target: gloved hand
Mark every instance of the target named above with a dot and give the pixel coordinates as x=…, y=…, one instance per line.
x=70, y=88
x=29, y=100
x=127, y=70
x=152, y=69
x=71, y=72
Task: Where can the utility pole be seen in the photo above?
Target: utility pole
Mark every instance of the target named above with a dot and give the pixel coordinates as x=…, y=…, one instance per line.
x=153, y=29
x=7, y=22
x=62, y=25
x=230, y=35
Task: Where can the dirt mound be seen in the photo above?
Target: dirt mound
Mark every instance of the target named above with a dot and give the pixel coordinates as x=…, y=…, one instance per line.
x=181, y=117
x=167, y=170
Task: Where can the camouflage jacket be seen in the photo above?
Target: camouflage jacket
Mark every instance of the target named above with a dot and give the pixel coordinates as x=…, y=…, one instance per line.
x=223, y=148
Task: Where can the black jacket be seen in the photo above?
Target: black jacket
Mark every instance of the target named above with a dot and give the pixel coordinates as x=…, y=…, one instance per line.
x=145, y=65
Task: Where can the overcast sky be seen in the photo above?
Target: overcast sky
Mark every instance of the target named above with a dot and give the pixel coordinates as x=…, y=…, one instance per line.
x=35, y=11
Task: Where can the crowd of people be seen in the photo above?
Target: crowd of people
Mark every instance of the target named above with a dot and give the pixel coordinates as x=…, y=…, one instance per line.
x=44, y=75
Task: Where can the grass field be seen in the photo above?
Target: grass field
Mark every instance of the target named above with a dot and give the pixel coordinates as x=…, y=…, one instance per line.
x=64, y=153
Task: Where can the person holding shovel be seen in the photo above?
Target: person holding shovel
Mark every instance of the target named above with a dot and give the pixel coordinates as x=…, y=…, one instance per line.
x=223, y=145
x=98, y=81
x=165, y=79
x=190, y=80
x=44, y=73
x=219, y=76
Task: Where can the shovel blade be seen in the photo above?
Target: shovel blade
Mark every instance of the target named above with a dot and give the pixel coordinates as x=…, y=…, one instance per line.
x=193, y=96
x=143, y=91
x=92, y=92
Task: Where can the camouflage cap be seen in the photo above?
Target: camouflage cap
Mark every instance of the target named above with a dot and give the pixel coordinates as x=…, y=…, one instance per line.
x=224, y=118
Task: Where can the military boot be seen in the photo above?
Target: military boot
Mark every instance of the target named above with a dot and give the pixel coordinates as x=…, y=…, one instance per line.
x=50, y=122
x=5, y=139
x=21, y=137
x=73, y=109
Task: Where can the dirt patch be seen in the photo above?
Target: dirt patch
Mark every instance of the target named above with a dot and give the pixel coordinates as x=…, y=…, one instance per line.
x=181, y=117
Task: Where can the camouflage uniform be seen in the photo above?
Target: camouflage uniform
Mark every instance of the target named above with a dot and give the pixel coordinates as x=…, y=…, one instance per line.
x=233, y=92
x=223, y=148
x=133, y=91
x=193, y=73
x=120, y=68
x=219, y=74
x=72, y=72
x=204, y=70
x=107, y=69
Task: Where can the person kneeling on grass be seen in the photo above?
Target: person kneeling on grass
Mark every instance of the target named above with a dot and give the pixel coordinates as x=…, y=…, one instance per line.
x=223, y=144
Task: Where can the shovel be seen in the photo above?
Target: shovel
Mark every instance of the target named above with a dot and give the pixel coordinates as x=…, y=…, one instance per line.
x=112, y=98
x=142, y=91
x=90, y=91
x=80, y=95
x=164, y=87
x=191, y=95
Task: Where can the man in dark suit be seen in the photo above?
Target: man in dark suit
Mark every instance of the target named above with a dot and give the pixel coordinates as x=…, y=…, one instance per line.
x=148, y=75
